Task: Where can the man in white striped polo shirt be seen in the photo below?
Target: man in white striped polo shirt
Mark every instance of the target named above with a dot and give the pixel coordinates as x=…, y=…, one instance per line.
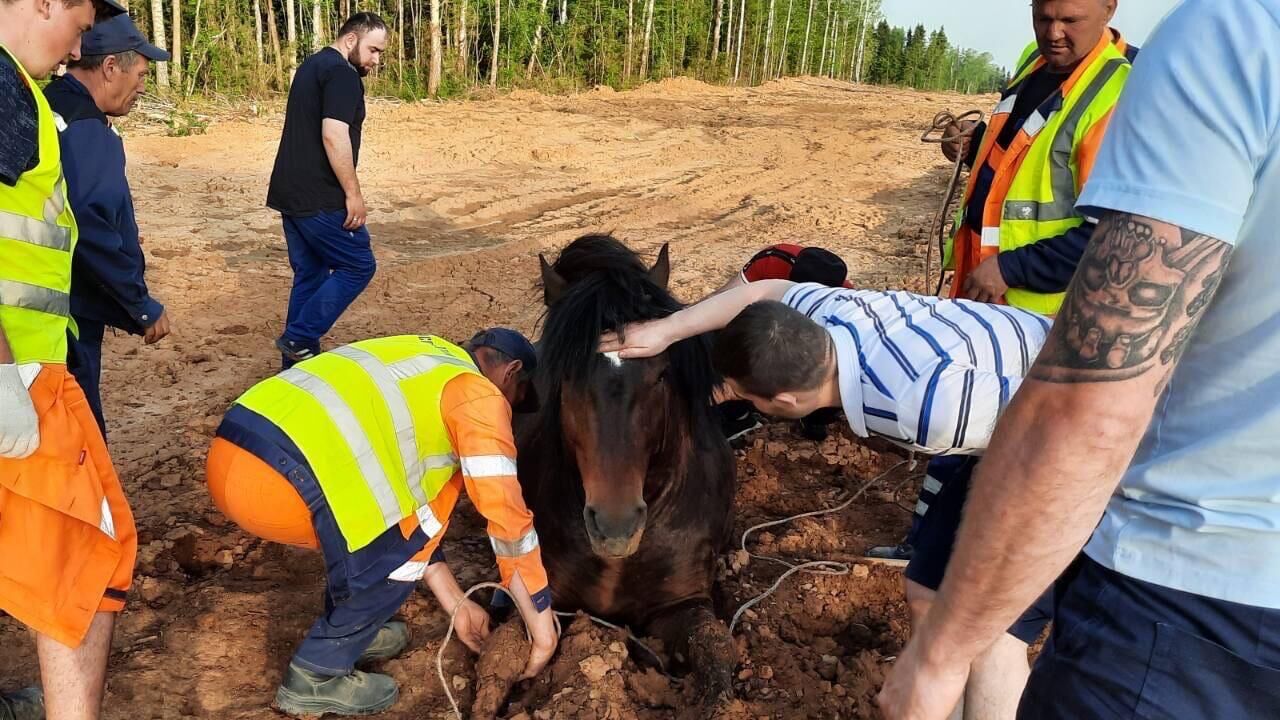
x=929, y=374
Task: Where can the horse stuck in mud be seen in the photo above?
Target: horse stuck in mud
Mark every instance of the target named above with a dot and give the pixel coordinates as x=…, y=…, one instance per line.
x=625, y=468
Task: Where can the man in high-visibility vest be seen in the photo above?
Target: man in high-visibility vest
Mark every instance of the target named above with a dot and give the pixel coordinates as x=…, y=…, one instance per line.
x=1018, y=236
x=56, y=479
x=362, y=452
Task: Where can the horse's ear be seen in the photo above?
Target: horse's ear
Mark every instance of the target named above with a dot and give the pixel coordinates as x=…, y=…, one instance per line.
x=660, y=273
x=552, y=284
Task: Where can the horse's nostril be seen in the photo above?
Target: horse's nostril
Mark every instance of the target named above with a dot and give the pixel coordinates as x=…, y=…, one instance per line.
x=589, y=519
x=615, y=525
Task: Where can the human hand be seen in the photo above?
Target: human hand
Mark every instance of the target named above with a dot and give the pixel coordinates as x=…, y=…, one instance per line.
x=471, y=623
x=543, y=638
x=954, y=142
x=158, y=330
x=986, y=283
x=19, y=424
x=643, y=339
x=918, y=690
x=356, y=213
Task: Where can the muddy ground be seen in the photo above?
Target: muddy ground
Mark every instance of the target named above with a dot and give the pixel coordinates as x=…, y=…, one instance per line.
x=462, y=196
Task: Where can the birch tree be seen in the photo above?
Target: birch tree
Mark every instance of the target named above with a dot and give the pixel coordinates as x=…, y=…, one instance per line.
x=497, y=45
x=631, y=39
x=728, y=36
x=808, y=28
x=462, y=38
x=742, y=21
x=786, y=36
x=537, y=40
x=317, y=27
x=275, y=39
x=257, y=29
x=175, y=69
x=826, y=35
x=157, y=37
x=291, y=27
x=437, y=61
x=768, y=42
x=715, y=42
x=648, y=34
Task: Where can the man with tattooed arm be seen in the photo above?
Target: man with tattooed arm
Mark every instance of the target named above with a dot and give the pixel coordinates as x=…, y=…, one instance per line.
x=1146, y=431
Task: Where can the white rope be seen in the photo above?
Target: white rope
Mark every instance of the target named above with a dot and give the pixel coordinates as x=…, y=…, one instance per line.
x=816, y=567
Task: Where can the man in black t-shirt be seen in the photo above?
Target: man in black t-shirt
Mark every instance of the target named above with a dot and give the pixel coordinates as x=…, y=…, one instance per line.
x=315, y=188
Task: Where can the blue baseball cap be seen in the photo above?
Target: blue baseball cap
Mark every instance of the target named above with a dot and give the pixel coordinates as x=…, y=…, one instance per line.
x=116, y=35
x=516, y=346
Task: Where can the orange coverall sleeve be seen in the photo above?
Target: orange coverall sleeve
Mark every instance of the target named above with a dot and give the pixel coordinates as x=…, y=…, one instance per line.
x=478, y=419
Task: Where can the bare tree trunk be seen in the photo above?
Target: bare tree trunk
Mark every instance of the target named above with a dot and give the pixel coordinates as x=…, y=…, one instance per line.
x=291, y=27
x=497, y=38
x=742, y=21
x=346, y=10
x=715, y=43
x=157, y=37
x=400, y=42
x=175, y=69
x=537, y=40
x=826, y=35
x=275, y=39
x=808, y=28
x=836, y=36
x=768, y=43
x=786, y=36
x=755, y=48
x=193, y=67
x=462, y=38
x=257, y=29
x=728, y=36
x=433, y=80
x=862, y=41
x=317, y=27
x=631, y=39
x=564, y=11
x=648, y=33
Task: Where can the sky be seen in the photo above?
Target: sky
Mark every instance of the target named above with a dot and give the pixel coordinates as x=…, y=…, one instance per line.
x=1003, y=27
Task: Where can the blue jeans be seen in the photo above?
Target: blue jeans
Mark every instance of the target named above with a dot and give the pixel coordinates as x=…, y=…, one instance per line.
x=331, y=267
x=1124, y=648
x=358, y=597
x=84, y=360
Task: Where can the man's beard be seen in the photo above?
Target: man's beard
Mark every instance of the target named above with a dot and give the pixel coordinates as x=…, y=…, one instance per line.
x=353, y=57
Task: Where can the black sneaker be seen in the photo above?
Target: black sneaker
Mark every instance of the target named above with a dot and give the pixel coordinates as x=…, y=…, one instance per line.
x=292, y=353
x=896, y=555
x=27, y=704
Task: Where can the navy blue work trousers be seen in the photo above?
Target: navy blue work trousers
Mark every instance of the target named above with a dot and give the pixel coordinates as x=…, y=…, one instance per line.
x=331, y=267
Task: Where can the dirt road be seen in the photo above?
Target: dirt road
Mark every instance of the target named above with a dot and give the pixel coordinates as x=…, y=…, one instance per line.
x=462, y=197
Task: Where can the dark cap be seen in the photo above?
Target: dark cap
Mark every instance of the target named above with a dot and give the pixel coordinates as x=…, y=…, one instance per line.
x=116, y=35
x=816, y=265
x=516, y=346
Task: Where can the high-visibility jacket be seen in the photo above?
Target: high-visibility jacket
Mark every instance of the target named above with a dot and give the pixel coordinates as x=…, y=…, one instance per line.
x=1038, y=177
x=37, y=237
x=370, y=420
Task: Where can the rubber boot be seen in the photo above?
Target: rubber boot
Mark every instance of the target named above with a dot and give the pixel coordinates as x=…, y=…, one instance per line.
x=390, y=641
x=306, y=693
x=26, y=704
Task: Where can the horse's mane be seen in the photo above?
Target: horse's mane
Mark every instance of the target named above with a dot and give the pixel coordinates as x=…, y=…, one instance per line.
x=608, y=286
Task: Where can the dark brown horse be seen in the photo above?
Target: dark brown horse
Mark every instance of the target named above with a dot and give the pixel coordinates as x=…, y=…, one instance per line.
x=627, y=473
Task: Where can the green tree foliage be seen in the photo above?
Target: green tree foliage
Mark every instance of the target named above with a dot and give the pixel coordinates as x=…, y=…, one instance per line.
x=582, y=43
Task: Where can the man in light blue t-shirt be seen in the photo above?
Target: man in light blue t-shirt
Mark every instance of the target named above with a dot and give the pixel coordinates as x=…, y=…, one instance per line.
x=1148, y=431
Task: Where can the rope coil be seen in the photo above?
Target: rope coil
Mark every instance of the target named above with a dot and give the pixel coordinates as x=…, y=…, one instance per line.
x=936, y=133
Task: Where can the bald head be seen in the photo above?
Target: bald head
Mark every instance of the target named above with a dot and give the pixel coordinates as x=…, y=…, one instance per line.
x=1067, y=30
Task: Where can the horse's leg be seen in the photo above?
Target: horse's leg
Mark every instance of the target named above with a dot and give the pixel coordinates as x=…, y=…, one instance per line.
x=693, y=632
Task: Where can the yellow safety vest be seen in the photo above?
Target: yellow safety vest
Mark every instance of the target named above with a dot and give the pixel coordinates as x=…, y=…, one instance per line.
x=1039, y=202
x=37, y=238
x=367, y=418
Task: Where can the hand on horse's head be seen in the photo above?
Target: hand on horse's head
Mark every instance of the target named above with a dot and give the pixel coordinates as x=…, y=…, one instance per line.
x=638, y=340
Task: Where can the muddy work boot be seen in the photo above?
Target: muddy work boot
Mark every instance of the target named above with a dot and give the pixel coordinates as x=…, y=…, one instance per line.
x=390, y=641
x=306, y=693
x=27, y=704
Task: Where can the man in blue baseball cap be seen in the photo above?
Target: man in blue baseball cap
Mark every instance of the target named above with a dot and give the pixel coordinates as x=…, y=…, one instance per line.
x=108, y=284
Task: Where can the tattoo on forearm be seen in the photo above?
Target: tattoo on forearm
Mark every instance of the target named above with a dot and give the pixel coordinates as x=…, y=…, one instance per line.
x=1134, y=303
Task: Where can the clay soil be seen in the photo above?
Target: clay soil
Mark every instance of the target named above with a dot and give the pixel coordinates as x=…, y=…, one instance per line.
x=462, y=197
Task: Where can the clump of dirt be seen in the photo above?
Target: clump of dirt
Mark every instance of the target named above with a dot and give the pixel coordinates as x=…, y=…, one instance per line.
x=502, y=660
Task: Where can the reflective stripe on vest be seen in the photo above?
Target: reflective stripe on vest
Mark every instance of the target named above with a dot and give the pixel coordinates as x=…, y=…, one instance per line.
x=1061, y=179
x=37, y=238
x=367, y=417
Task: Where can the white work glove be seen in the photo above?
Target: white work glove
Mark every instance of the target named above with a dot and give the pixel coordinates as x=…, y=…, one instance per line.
x=19, y=425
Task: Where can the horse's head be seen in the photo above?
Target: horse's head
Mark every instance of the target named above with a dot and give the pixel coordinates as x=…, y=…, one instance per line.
x=622, y=421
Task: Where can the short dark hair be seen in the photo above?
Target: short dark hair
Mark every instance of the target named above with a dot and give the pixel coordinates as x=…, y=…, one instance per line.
x=362, y=23
x=124, y=59
x=770, y=348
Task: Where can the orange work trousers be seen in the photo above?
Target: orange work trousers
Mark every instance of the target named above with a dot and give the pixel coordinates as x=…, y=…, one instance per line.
x=67, y=538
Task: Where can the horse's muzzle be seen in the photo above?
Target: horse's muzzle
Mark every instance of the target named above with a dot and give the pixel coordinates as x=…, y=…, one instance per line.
x=615, y=534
